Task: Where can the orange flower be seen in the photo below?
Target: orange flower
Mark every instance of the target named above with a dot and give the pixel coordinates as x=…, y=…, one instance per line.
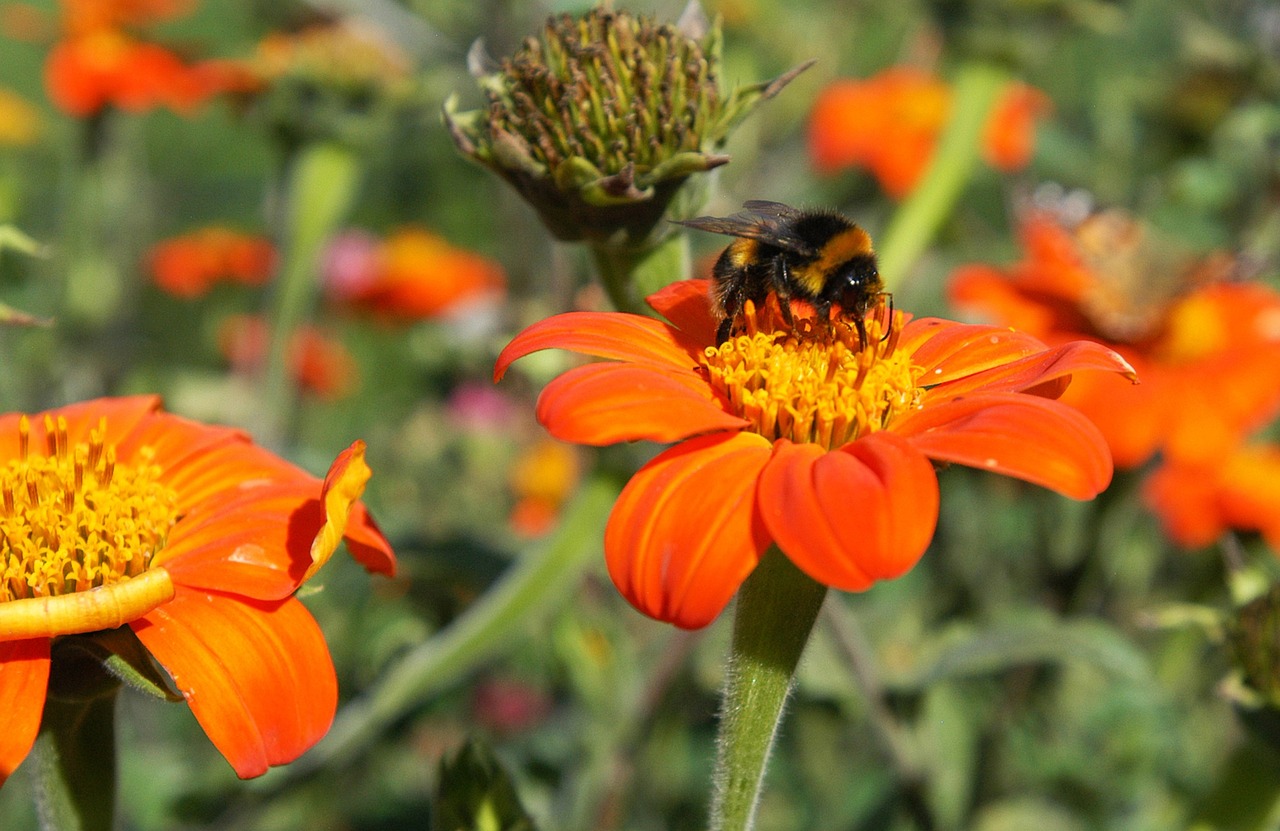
x=802, y=437
x=890, y=124
x=1208, y=351
x=542, y=478
x=1198, y=503
x=189, y=265
x=103, y=67
x=115, y=513
x=320, y=365
x=413, y=275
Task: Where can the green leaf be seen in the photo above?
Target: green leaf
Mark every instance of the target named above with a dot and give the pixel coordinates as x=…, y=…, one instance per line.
x=476, y=794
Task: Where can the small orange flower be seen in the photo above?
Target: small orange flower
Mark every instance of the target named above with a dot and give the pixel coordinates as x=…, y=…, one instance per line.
x=1198, y=503
x=1208, y=351
x=320, y=365
x=188, y=265
x=412, y=275
x=803, y=437
x=542, y=478
x=115, y=513
x=891, y=122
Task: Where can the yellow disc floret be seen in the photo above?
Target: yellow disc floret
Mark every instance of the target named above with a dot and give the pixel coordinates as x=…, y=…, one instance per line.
x=74, y=519
x=814, y=382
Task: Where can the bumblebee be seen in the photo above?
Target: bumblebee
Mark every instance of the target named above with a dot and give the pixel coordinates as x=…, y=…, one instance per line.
x=819, y=257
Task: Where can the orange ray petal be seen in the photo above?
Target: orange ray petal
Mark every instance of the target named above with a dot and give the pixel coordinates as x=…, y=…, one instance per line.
x=1033, y=371
x=685, y=532
x=850, y=517
x=948, y=350
x=1024, y=436
x=621, y=337
x=255, y=543
x=24, y=676
x=604, y=403
x=258, y=677
x=687, y=305
x=343, y=485
x=367, y=544
x=123, y=416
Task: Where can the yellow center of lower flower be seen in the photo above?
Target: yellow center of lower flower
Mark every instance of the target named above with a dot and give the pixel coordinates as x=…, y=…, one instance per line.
x=73, y=519
x=812, y=382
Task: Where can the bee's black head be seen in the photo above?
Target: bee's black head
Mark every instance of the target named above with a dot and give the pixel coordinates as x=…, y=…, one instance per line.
x=859, y=284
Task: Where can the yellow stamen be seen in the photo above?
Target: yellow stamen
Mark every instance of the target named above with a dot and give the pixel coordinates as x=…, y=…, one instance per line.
x=815, y=383
x=76, y=520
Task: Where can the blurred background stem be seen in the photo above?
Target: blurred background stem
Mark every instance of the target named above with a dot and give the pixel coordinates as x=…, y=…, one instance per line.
x=320, y=188
x=914, y=224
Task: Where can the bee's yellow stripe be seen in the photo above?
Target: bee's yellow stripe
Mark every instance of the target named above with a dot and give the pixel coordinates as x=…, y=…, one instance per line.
x=842, y=247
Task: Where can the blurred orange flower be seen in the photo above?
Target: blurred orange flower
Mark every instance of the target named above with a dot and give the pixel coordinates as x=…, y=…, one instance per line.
x=1207, y=350
x=803, y=437
x=890, y=123
x=320, y=365
x=542, y=478
x=188, y=265
x=1198, y=503
x=116, y=513
x=413, y=274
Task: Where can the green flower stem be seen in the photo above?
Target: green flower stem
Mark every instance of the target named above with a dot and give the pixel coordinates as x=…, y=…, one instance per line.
x=918, y=218
x=777, y=606
x=496, y=622
x=629, y=275
x=321, y=185
x=75, y=763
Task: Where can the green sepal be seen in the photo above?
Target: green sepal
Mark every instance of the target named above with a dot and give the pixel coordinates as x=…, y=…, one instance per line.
x=686, y=164
x=125, y=659
x=744, y=100
x=477, y=794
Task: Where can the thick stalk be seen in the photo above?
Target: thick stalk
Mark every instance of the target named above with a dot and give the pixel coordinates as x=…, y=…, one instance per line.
x=918, y=218
x=777, y=606
x=629, y=275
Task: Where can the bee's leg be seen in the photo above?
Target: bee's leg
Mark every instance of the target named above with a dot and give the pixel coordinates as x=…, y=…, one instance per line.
x=861, y=326
x=888, y=324
x=724, y=331
x=781, y=278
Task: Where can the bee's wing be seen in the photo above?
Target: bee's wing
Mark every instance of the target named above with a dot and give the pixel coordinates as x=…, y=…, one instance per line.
x=769, y=222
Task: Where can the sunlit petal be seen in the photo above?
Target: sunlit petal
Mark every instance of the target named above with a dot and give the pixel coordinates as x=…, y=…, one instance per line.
x=853, y=516
x=621, y=337
x=685, y=532
x=610, y=402
x=24, y=675
x=1035, y=370
x=1023, y=436
x=258, y=677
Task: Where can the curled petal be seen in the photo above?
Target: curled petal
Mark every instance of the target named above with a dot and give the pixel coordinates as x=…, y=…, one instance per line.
x=367, y=544
x=86, y=611
x=947, y=350
x=1034, y=371
x=609, y=402
x=257, y=676
x=1042, y=441
x=685, y=532
x=687, y=305
x=619, y=337
x=343, y=485
x=850, y=517
x=24, y=676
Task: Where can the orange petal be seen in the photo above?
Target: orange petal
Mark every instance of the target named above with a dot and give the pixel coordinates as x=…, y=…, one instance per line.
x=123, y=416
x=687, y=305
x=1024, y=374
x=367, y=544
x=1024, y=436
x=685, y=532
x=850, y=517
x=24, y=676
x=1185, y=498
x=948, y=350
x=609, y=402
x=257, y=676
x=613, y=335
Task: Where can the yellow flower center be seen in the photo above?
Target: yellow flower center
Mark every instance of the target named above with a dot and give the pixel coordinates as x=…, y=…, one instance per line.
x=812, y=382
x=74, y=519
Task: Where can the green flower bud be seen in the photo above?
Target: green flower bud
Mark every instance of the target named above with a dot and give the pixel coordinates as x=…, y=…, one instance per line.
x=602, y=122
